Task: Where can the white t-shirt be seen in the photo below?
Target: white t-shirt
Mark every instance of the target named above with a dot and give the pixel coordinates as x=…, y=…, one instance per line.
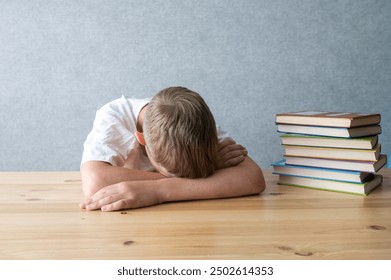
x=112, y=137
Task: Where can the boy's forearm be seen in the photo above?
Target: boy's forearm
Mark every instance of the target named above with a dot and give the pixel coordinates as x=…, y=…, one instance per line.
x=243, y=179
x=97, y=174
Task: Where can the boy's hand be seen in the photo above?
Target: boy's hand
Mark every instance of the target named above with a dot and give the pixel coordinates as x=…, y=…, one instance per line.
x=124, y=195
x=229, y=154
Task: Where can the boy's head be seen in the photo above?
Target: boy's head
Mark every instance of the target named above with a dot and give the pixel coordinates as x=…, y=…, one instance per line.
x=180, y=133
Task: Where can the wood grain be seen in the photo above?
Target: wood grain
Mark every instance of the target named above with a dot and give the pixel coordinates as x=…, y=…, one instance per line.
x=40, y=219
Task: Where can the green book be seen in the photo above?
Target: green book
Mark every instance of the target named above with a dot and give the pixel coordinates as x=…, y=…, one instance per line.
x=330, y=185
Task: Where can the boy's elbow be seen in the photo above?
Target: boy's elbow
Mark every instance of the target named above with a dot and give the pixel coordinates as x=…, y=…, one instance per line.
x=89, y=188
x=256, y=178
x=91, y=178
x=259, y=182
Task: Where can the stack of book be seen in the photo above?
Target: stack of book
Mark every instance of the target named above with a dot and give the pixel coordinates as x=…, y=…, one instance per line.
x=330, y=151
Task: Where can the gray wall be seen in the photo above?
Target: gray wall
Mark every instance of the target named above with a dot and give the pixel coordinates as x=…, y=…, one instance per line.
x=62, y=60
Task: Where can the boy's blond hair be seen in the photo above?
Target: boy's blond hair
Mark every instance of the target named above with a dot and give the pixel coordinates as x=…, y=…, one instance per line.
x=180, y=133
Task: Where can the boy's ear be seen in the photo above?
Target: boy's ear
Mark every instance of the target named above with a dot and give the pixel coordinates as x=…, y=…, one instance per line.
x=140, y=138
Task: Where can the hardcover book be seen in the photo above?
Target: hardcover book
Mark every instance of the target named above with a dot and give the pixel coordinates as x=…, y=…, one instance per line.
x=333, y=119
x=333, y=153
x=329, y=185
x=322, y=141
x=281, y=168
x=365, y=166
x=330, y=131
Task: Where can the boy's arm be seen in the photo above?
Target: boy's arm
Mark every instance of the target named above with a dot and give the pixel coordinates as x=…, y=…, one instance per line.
x=245, y=178
x=99, y=174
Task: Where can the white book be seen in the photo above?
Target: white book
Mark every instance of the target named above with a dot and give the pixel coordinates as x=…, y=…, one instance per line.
x=333, y=153
x=324, y=141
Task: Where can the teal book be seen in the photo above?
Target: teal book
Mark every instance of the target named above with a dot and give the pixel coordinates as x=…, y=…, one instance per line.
x=281, y=168
x=354, y=132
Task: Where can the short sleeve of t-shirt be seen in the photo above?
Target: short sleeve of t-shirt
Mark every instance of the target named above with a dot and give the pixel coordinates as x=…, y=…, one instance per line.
x=112, y=136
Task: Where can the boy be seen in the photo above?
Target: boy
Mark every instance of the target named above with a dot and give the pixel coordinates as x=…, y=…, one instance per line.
x=175, y=134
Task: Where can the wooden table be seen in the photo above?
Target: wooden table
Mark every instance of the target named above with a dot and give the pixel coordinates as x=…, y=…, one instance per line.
x=40, y=219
